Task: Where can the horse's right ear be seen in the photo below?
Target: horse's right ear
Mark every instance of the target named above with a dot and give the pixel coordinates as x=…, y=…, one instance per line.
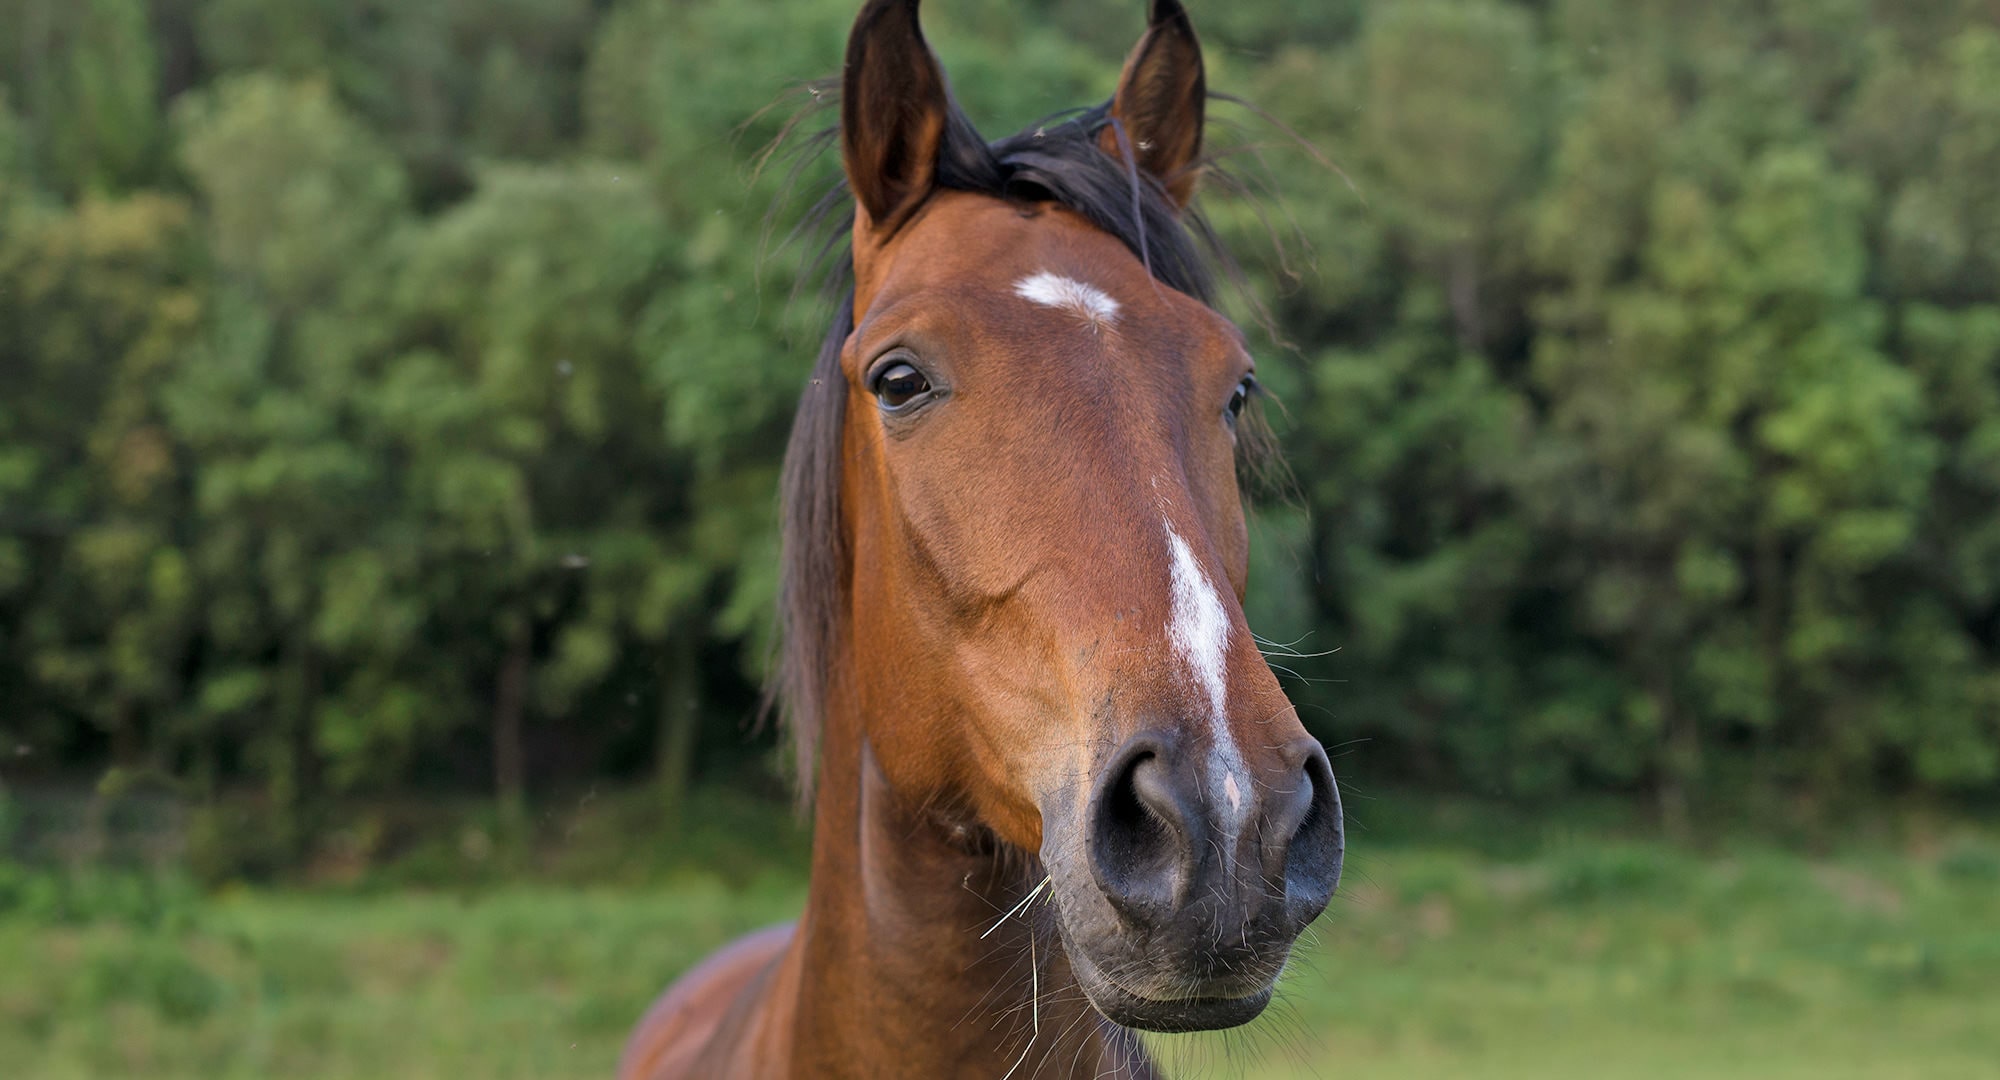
x=893, y=109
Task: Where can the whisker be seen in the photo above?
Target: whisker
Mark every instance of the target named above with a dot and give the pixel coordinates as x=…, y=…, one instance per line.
x=1011, y=912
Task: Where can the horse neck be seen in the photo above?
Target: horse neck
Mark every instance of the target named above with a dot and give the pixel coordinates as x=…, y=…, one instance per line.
x=895, y=977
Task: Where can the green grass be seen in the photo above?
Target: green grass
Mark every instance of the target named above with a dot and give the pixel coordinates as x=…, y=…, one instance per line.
x=1619, y=960
x=1570, y=955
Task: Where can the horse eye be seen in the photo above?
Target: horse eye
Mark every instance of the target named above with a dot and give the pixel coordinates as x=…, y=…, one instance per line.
x=1241, y=397
x=900, y=384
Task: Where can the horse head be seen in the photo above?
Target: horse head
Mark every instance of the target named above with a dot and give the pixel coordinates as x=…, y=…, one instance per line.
x=1016, y=475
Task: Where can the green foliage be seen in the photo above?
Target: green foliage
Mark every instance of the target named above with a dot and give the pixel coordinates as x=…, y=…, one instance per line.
x=297, y=193
x=391, y=395
x=87, y=72
x=122, y=896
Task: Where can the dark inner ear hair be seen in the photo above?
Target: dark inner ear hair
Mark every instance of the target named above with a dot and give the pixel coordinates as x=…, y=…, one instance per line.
x=893, y=108
x=1161, y=102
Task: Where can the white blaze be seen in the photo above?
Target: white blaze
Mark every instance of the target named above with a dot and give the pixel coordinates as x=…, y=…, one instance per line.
x=1199, y=631
x=1068, y=294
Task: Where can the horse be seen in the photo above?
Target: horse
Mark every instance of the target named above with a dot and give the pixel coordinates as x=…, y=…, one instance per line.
x=1059, y=797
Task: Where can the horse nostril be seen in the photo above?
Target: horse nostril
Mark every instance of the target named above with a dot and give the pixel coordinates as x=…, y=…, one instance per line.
x=1304, y=838
x=1141, y=837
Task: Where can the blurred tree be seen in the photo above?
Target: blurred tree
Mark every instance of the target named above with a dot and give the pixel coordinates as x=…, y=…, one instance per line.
x=548, y=509
x=408, y=408
x=1448, y=123
x=86, y=72
x=300, y=203
x=100, y=303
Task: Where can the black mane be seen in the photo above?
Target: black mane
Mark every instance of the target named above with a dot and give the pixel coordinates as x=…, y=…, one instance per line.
x=1058, y=160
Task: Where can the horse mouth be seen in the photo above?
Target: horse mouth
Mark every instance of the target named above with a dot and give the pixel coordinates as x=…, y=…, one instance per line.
x=1129, y=1008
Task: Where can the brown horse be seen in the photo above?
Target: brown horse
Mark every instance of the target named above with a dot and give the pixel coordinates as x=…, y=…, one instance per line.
x=1060, y=794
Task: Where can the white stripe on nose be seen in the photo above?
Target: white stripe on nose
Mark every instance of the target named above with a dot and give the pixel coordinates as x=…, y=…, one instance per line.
x=1199, y=631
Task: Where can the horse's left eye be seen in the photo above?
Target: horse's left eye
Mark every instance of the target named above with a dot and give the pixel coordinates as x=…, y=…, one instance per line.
x=1241, y=397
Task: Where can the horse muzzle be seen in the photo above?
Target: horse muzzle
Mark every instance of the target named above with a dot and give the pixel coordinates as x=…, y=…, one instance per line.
x=1187, y=879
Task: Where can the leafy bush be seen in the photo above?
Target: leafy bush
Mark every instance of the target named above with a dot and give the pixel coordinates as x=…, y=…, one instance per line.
x=395, y=403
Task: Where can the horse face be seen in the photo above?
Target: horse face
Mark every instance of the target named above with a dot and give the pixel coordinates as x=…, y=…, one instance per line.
x=1047, y=552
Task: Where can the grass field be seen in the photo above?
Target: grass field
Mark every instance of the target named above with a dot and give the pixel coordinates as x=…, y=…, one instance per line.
x=1570, y=953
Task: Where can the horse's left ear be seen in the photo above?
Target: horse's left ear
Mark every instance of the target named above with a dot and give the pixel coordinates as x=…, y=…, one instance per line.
x=1161, y=99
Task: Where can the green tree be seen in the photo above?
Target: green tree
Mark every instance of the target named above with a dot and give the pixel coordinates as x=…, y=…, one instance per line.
x=537, y=487
x=300, y=202
x=85, y=70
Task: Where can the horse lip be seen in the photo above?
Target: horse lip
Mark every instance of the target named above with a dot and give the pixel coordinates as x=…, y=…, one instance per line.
x=1131, y=1009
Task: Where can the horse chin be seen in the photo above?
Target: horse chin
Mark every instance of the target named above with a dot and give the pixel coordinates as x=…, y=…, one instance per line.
x=1132, y=1009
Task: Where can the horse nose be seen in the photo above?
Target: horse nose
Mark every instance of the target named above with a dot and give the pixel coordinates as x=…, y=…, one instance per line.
x=1303, y=836
x=1146, y=831
x=1159, y=840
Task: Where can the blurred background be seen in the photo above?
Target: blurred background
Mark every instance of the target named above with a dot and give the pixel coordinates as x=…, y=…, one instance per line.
x=392, y=398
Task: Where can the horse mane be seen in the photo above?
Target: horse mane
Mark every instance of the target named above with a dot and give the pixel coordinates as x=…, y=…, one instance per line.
x=1056, y=160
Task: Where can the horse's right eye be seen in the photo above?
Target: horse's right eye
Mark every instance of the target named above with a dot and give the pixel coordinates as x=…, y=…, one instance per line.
x=900, y=384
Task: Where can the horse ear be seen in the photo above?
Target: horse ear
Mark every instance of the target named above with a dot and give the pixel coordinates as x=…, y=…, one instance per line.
x=893, y=107
x=1162, y=96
